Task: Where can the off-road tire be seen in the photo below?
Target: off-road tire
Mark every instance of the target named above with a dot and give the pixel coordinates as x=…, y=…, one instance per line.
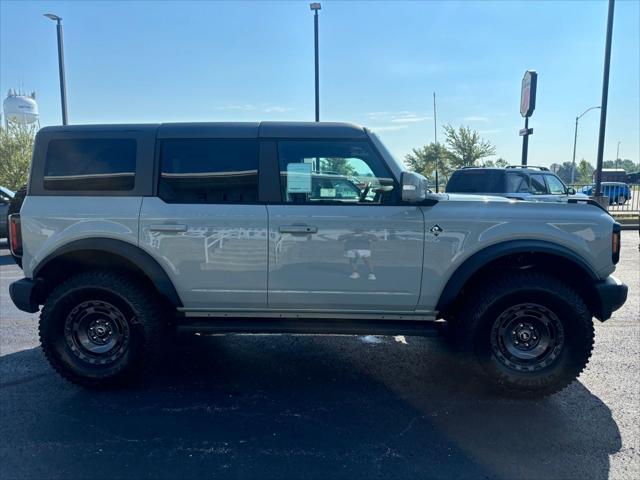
x=14, y=207
x=474, y=333
x=145, y=327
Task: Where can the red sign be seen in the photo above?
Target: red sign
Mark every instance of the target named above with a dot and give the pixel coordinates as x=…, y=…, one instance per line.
x=528, y=93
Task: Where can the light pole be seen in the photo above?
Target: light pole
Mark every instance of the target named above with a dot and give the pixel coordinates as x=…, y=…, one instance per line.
x=575, y=140
x=618, y=153
x=605, y=100
x=63, y=83
x=315, y=7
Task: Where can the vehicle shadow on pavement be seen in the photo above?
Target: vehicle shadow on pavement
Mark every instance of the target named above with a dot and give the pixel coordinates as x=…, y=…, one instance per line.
x=297, y=406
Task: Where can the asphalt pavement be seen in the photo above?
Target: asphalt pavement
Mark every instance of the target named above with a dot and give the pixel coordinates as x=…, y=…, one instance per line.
x=296, y=406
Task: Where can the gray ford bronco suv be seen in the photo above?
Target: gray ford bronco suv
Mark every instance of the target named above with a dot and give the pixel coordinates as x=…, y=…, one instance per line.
x=130, y=232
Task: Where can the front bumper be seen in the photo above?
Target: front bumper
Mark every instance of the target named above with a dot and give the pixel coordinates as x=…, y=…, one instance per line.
x=612, y=294
x=22, y=295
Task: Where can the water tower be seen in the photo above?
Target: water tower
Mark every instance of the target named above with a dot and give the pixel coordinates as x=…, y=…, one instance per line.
x=20, y=109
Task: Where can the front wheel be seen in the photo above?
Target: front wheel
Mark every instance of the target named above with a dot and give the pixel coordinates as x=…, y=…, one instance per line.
x=530, y=334
x=99, y=328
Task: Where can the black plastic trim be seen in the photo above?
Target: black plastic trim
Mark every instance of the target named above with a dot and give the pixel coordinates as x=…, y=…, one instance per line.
x=149, y=266
x=479, y=259
x=611, y=296
x=21, y=293
x=426, y=328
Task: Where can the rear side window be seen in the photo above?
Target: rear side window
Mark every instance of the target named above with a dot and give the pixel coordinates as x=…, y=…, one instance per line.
x=476, y=181
x=90, y=164
x=209, y=171
x=517, y=183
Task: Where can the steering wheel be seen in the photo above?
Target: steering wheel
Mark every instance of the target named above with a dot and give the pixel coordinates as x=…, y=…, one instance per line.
x=365, y=192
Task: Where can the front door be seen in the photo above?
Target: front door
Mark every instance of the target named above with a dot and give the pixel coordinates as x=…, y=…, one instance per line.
x=340, y=240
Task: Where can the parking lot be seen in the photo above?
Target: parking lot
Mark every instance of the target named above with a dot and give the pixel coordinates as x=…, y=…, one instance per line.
x=319, y=407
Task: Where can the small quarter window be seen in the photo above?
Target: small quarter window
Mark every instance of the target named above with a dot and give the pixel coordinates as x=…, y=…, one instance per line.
x=85, y=164
x=209, y=171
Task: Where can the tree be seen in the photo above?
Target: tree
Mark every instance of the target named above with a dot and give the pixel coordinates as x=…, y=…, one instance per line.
x=584, y=172
x=563, y=170
x=466, y=147
x=423, y=161
x=499, y=163
x=339, y=166
x=16, y=146
x=625, y=164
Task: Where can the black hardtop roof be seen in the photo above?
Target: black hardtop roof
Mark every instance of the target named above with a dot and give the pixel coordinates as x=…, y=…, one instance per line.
x=311, y=130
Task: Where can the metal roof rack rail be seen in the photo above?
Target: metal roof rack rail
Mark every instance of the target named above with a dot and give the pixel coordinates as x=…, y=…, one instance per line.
x=544, y=169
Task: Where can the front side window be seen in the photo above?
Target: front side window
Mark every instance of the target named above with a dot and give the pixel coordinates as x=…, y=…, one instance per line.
x=209, y=171
x=346, y=172
x=106, y=164
x=556, y=187
x=537, y=185
x=517, y=183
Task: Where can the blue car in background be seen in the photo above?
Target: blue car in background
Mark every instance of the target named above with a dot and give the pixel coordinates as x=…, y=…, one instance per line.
x=617, y=192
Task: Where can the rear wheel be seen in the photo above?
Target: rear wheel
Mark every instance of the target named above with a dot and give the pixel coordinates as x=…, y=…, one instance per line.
x=99, y=328
x=622, y=199
x=530, y=334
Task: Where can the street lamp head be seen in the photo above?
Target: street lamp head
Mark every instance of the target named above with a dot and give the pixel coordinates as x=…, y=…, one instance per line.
x=53, y=17
x=315, y=6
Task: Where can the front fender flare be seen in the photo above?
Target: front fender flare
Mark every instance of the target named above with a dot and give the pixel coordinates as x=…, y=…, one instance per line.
x=493, y=252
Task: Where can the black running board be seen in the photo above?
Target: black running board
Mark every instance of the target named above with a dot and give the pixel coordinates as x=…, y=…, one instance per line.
x=423, y=328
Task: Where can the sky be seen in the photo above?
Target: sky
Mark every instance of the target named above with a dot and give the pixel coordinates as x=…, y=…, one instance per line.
x=380, y=62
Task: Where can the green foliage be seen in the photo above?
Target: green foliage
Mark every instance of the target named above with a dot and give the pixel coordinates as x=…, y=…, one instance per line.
x=499, y=163
x=584, y=172
x=626, y=164
x=339, y=166
x=463, y=147
x=423, y=160
x=466, y=147
x=16, y=147
x=563, y=170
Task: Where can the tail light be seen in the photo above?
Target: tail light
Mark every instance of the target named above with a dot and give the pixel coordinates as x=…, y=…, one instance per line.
x=615, y=243
x=15, y=234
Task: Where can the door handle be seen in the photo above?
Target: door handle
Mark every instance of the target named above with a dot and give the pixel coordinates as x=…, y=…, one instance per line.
x=298, y=229
x=171, y=227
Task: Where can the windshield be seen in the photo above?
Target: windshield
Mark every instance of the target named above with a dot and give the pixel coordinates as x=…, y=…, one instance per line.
x=396, y=167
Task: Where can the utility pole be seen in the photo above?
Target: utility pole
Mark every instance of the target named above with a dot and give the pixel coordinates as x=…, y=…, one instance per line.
x=63, y=82
x=618, y=153
x=315, y=7
x=605, y=98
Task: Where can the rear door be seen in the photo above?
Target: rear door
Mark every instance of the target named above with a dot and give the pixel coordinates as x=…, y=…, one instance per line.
x=340, y=240
x=205, y=224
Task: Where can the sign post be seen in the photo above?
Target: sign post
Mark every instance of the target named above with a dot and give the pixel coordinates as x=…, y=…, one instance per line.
x=527, y=106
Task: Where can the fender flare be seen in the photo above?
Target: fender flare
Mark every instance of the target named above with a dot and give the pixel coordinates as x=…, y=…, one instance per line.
x=483, y=257
x=128, y=251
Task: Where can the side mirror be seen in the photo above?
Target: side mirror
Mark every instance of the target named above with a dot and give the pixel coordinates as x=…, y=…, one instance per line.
x=571, y=191
x=414, y=187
